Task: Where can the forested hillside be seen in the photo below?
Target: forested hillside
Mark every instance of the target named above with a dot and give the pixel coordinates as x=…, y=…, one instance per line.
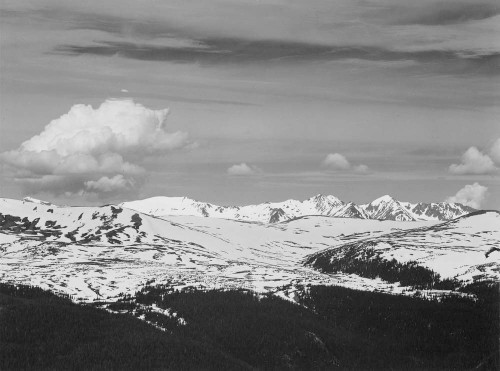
x=332, y=328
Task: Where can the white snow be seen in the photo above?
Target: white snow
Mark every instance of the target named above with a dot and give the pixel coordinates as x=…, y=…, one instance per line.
x=183, y=250
x=384, y=207
x=455, y=249
x=7, y=238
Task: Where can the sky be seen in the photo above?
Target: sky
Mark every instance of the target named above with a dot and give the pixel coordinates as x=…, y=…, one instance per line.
x=246, y=101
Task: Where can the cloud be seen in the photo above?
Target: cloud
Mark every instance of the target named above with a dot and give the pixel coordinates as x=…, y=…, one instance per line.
x=362, y=169
x=436, y=13
x=474, y=162
x=94, y=150
x=338, y=162
x=211, y=51
x=471, y=195
x=243, y=169
x=105, y=184
x=495, y=151
x=438, y=36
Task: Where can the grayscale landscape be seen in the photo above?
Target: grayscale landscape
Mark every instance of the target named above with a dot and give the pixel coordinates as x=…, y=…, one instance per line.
x=236, y=184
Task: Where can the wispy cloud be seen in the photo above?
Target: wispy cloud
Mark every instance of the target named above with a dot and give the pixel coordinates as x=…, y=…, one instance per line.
x=433, y=13
x=441, y=36
x=231, y=51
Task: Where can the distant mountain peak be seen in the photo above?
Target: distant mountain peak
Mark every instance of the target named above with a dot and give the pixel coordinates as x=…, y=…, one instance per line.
x=192, y=251
x=320, y=198
x=387, y=208
x=383, y=199
x=382, y=208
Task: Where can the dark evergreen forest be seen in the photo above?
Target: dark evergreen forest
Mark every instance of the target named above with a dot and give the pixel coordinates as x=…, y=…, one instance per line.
x=370, y=265
x=331, y=328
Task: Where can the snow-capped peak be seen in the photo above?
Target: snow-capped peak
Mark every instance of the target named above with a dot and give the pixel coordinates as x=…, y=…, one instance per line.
x=386, y=207
x=383, y=208
x=324, y=204
x=192, y=251
x=325, y=198
x=384, y=199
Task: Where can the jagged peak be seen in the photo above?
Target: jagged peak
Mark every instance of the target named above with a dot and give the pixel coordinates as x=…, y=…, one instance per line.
x=321, y=198
x=319, y=195
x=385, y=207
x=385, y=199
x=316, y=198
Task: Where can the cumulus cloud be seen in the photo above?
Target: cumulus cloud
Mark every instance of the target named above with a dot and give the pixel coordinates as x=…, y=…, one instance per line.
x=474, y=162
x=105, y=184
x=338, y=162
x=495, y=151
x=243, y=169
x=471, y=195
x=94, y=150
x=362, y=169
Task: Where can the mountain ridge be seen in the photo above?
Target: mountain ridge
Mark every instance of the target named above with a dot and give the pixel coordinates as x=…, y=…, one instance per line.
x=108, y=250
x=383, y=208
x=470, y=239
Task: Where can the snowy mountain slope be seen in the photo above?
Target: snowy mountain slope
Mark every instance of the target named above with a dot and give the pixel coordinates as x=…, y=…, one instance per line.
x=160, y=206
x=86, y=251
x=101, y=225
x=387, y=208
x=350, y=210
x=436, y=211
x=384, y=208
x=267, y=212
x=466, y=248
x=36, y=201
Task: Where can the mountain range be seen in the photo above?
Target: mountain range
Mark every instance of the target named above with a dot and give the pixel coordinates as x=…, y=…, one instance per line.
x=383, y=208
x=108, y=251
